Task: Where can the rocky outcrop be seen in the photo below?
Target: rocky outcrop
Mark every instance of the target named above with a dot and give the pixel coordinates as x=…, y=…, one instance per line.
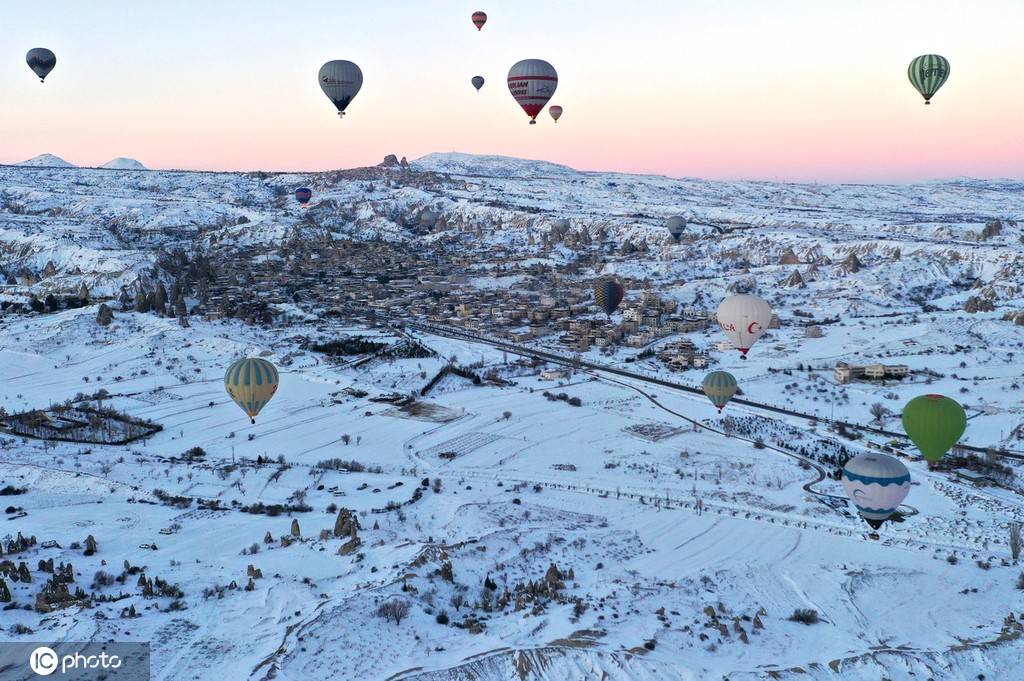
x=346, y=524
x=794, y=280
x=789, y=258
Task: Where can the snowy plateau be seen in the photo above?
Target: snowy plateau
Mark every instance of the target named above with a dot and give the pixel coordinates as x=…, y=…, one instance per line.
x=443, y=489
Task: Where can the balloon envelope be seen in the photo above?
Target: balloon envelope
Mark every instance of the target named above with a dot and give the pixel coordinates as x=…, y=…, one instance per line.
x=555, y=111
x=251, y=382
x=479, y=19
x=934, y=423
x=608, y=293
x=303, y=195
x=478, y=82
x=744, y=318
x=532, y=82
x=41, y=61
x=720, y=386
x=876, y=484
x=340, y=80
x=675, y=226
x=927, y=73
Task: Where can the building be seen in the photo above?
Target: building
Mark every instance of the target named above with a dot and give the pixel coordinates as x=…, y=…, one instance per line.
x=844, y=373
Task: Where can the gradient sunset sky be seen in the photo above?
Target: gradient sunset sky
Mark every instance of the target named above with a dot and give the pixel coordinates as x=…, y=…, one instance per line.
x=731, y=89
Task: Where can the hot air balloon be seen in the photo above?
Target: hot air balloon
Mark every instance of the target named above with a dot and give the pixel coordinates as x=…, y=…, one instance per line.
x=479, y=19
x=41, y=61
x=608, y=293
x=478, y=82
x=428, y=220
x=555, y=111
x=340, y=80
x=251, y=383
x=934, y=423
x=876, y=484
x=532, y=82
x=719, y=386
x=927, y=73
x=675, y=226
x=303, y=195
x=744, y=318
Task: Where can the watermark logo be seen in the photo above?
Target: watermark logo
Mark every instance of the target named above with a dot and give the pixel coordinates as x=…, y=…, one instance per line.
x=74, y=661
x=43, y=661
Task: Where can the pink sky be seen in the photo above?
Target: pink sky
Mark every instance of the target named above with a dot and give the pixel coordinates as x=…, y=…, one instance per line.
x=794, y=91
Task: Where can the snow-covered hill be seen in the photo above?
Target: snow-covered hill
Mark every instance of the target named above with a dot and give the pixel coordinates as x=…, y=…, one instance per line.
x=46, y=161
x=122, y=163
x=489, y=166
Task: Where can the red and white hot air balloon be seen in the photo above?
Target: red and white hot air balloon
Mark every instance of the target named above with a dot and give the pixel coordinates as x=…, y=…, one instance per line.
x=532, y=82
x=555, y=111
x=479, y=19
x=744, y=319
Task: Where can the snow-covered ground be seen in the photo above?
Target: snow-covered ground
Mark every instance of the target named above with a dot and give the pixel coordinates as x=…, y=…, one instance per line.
x=680, y=551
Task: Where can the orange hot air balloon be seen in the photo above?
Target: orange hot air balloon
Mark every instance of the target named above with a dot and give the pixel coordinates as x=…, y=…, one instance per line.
x=479, y=19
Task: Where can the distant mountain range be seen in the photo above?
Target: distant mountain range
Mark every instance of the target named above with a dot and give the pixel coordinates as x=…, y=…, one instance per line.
x=52, y=161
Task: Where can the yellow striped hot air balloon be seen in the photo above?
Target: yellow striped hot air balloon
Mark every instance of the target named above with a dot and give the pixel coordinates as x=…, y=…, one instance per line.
x=251, y=382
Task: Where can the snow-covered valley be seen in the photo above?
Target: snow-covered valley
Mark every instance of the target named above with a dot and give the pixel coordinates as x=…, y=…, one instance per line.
x=432, y=505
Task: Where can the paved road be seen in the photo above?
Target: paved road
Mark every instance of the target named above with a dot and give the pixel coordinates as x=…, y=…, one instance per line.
x=460, y=334
x=808, y=487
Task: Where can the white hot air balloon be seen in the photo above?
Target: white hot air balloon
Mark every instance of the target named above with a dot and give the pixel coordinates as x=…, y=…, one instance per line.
x=876, y=484
x=744, y=318
x=532, y=82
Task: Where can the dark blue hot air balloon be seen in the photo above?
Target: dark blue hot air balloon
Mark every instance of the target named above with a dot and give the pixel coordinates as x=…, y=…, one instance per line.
x=303, y=195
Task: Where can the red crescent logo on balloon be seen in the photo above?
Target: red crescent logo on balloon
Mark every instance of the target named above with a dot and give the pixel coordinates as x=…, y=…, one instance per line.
x=751, y=329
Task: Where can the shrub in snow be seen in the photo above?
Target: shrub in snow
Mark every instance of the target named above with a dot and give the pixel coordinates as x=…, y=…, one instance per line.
x=804, y=616
x=394, y=610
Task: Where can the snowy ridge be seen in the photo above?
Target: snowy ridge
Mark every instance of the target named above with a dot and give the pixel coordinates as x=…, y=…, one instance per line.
x=488, y=166
x=46, y=161
x=122, y=163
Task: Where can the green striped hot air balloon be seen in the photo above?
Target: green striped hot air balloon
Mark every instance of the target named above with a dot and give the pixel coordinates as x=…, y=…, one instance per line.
x=720, y=386
x=934, y=423
x=251, y=382
x=927, y=73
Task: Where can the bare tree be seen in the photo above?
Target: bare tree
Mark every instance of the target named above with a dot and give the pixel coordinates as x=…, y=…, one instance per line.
x=394, y=610
x=879, y=411
x=458, y=600
x=346, y=438
x=1015, y=540
x=728, y=425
